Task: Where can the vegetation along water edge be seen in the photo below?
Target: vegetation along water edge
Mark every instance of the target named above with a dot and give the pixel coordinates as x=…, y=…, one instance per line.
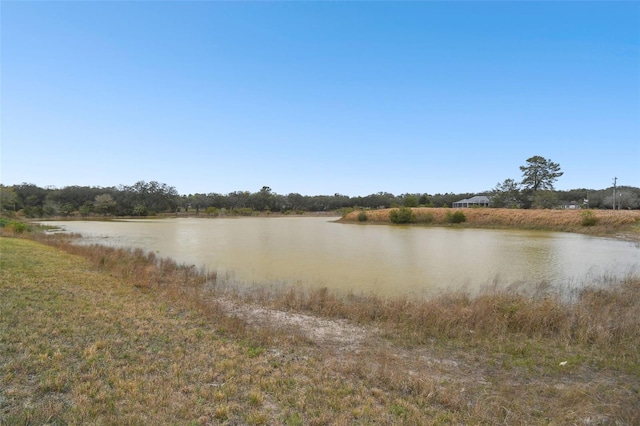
x=111, y=336
x=623, y=224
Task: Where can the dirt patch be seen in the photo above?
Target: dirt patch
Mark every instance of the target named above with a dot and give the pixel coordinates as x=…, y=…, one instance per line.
x=346, y=346
x=321, y=331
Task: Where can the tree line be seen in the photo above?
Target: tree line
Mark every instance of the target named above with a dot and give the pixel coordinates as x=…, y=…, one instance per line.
x=536, y=189
x=150, y=198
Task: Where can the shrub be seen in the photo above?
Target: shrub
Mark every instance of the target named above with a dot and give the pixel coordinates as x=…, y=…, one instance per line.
x=424, y=217
x=402, y=215
x=14, y=226
x=588, y=218
x=455, y=217
x=243, y=211
x=213, y=211
x=362, y=216
x=19, y=227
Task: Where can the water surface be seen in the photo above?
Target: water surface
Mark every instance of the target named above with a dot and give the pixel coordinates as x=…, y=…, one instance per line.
x=369, y=259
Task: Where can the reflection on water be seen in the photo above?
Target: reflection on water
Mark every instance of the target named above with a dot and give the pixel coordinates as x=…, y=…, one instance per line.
x=382, y=260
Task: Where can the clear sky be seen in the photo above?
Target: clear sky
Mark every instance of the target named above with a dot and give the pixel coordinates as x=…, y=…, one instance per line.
x=318, y=97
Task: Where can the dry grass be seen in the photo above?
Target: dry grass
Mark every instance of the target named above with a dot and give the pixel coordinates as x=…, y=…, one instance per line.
x=608, y=222
x=603, y=318
x=108, y=336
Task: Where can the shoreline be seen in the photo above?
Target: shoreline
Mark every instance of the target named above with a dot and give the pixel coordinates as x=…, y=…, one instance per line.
x=132, y=331
x=622, y=225
x=619, y=225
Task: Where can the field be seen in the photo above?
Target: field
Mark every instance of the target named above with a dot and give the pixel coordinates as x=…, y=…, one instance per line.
x=96, y=335
x=619, y=224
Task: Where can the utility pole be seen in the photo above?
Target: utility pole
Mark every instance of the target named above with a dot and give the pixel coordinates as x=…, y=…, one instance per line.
x=614, y=192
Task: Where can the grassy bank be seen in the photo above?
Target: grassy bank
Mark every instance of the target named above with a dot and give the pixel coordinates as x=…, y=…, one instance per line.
x=106, y=336
x=621, y=224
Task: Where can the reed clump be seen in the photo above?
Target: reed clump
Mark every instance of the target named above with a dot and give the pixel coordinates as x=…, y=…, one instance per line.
x=606, y=317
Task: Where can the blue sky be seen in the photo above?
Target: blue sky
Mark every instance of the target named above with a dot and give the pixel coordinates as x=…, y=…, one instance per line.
x=319, y=97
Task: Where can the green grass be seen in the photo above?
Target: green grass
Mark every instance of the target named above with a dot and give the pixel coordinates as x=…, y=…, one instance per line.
x=94, y=335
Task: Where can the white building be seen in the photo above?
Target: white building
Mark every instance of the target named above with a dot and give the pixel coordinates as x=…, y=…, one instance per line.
x=477, y=201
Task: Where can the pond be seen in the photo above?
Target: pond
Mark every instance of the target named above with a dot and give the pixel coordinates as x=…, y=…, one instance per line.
x=369, y=259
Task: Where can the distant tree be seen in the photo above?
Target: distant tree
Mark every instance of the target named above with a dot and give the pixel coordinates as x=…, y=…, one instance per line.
x=545, y=200
x=198, y=202
x=506, y=194
x=425, y=200
x=8, y=199
x=410, y=200
x=339, y=201
x=238, y=199
x=140, y=210
x=31, y=198
x=104, y=204
x=155, y=196
x=629, y=197
x=74, y=195
x=66, y=209
x=577, y=196
x=50, y=209
x=262, y=200
x=539, y=176
x=217, y=200
x=86, y=208
x=318, y=203
x=295, y=201
x=378, y=200
x=540, y=173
